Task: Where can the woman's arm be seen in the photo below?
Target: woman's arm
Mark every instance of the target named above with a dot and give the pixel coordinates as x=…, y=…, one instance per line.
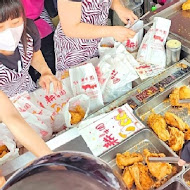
x=20, y=129
x=38, y=62
x=73, y=27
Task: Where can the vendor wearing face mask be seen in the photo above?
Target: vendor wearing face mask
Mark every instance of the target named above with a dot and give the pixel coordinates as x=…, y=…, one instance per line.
x=20, y=48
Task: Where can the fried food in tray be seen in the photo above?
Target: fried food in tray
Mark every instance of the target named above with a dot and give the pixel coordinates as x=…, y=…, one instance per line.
x=77, y=114
x=186, y=5
x=175, y=121
x=142, y=176
x=127, y=159
x=176, y=140
x=158, y=169
x=127, y=178
x=180, y=93
x=3, y=150
x=158, y=124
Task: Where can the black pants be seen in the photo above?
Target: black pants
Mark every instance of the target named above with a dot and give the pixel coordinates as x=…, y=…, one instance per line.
x=47, y=48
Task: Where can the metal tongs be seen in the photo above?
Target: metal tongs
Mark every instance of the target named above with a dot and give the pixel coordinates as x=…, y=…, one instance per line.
x=164, y=159
x=184, y=101
x=140, y=19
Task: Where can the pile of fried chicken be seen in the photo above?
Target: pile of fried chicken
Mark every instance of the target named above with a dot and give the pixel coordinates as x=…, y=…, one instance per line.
x=144, y=174
x=77, y=114
x=171, y=128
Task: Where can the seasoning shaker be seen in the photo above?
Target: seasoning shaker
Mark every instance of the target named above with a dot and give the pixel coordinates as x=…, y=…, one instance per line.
x=173, y=50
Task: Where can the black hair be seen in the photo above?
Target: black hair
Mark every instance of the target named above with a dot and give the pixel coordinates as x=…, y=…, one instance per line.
x=11, y=9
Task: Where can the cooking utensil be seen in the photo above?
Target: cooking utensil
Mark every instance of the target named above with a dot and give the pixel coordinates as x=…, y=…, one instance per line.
x=140, y=18
x=164, y=159
x=184, y=101
x=143, y=26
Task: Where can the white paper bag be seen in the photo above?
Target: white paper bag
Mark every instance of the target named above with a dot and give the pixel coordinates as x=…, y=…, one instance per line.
x=84, y=81
x=115, y=73
x=105, y=45
x=133, y=44
x=81, y=100
x=11, y=145
x=39, y=119
x=152, y=50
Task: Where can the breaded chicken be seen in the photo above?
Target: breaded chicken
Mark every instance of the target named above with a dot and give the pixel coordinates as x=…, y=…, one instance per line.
x=134, y=171
x=127, y=178
x=127, y=159
x=187, y=135
x=158, y=124
x=176, y=140
x=158, y=169
x=174, y=99
x=186, y=5
x=184, y=92
x=77, y=114
x=145, y=180
x=174, y=121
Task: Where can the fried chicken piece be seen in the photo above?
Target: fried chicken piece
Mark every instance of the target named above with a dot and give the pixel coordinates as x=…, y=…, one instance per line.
x=145, y=180
x=187, y=135
x=174, y=99
x=127, y=159
x=3, y=148
x=77, y=114
x=184, y=92
x=175, y=121
x=134, y=171
x=158, y=124
x=186, y=5
x=158, y=169
x=176, y=140
x=127, y=178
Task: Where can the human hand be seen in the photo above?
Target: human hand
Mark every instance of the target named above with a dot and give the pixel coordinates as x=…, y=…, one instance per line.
x=46, y=79
x=121, y=33
x=181, y=162
x=126, y=15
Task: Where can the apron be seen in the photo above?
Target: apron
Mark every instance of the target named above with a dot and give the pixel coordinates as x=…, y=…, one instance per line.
x=72, y=51
x=13, y=82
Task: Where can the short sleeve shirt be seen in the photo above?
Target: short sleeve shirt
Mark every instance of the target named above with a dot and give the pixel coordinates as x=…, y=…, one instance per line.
x=12, y=60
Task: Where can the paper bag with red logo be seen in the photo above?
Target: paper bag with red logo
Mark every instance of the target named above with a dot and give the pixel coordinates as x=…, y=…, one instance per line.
x=84, y=81
x=115, y=73
x=38, y=118
x=110, y=130
x=76, y=110
x=133, y=44
x=152, y=50
x=53, y=103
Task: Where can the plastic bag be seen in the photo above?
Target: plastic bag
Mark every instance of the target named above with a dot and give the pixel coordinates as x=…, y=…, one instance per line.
x=152, y=50
x=115, y=73
x=84, y=81
x=11, y=145
x=105, y=45
x=4, y=131
x=134, y=43
x=82, y=100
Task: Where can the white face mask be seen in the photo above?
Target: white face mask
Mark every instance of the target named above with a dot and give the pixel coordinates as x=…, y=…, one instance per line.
x=10, y=38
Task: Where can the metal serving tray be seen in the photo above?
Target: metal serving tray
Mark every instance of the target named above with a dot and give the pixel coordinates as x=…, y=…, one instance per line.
x=186, y=177
x=145, y=138
x=176, y=185
x=160, y=106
